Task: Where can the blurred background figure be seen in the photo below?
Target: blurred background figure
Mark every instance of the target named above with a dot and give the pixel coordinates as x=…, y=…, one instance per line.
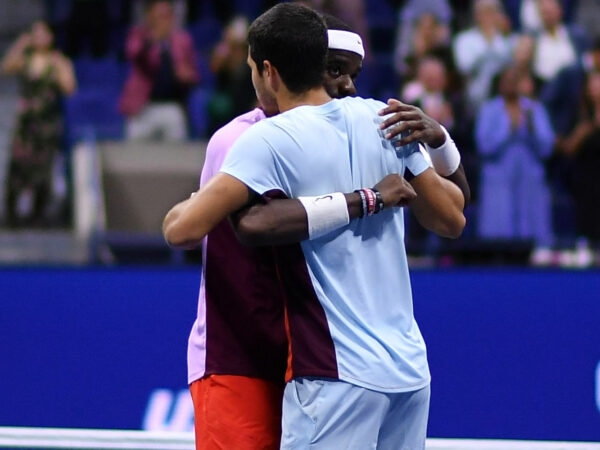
x=233, y=93
x=45, y=75
x=514, y=136
x=423, y=29
x=522, y=59
x=429, y=91
x=582, y=148
x=558, y=63
x=163, y=70
x=481, y=51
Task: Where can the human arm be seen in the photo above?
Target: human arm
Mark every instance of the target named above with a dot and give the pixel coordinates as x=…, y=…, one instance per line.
x=138, y=48
x=14, y=60
x=571, y=143
x=541, y=130
x=65, y=74
x=186, y=66
x=186, y=223
x=410, y=124
x=439, y=204
x=493, y=130
x=284, y=221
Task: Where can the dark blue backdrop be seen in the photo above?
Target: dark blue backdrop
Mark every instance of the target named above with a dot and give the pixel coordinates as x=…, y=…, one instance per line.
x=514, y=353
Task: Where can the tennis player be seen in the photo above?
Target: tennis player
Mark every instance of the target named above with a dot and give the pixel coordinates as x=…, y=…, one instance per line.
x=357, y=365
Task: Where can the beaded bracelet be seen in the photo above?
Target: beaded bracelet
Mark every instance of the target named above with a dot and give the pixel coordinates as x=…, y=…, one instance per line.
x=372, y=201
x=370, y=195
x=363, y=199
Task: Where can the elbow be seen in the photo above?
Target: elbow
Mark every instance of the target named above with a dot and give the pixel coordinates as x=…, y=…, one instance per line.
x=176, y=238
x=453, y=228
x=457, y=227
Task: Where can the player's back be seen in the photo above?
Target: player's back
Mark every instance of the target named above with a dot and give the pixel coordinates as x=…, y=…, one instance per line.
x=349, y=302
x=339, y=146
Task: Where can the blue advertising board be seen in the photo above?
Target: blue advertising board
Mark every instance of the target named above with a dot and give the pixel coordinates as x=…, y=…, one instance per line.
x=514, y=353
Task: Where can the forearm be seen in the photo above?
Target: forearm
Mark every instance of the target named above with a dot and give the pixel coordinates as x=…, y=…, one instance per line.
x=459, y=178
x=14, y=60
x=186, y=224
x=446, y=160
x=66, y=78
x=287, y=221
x=280, y=221
x=138, y=51
x=439, y=205
x=172, y=230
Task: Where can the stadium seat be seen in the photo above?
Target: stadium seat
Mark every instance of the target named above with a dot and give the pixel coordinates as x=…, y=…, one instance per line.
x=93, y=111
x=104, y=73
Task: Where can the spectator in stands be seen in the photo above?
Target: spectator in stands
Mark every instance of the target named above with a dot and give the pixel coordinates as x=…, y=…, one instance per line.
x=423, y=29
x=525, y=15
x=233, y=93
x=163, y=71
x=557, y=62
x=522, y=58
x=514, y=136
x=431, y=92
x=481, y=51
x=45, y=75
x=583, y=146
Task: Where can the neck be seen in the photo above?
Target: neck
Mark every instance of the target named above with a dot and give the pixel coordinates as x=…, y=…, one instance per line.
x=313, y=97
x=553, y=29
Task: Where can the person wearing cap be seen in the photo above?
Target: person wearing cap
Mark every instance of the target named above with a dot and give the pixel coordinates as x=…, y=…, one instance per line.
x=238, y=347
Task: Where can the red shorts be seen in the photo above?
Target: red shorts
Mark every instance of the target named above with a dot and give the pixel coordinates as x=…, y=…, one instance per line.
x=236, y=413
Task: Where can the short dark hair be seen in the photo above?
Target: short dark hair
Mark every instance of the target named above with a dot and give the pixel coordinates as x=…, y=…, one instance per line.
x=293, y=38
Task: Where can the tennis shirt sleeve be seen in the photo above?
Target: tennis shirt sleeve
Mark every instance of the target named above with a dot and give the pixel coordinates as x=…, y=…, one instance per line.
x=253, y=161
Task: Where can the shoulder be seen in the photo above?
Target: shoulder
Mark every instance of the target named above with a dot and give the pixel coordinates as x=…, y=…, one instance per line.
x=358, y=103
x=225, y=136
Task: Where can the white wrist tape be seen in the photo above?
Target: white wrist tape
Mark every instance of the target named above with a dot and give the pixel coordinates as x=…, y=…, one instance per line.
x=325, y=213
x=446, y=157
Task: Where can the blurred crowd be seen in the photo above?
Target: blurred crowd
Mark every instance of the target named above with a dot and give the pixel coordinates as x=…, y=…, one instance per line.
x=516, y=82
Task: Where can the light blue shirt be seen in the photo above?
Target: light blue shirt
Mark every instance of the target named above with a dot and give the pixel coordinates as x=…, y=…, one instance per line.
x=359, y=273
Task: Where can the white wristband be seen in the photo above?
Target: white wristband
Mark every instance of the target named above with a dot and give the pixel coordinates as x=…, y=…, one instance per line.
x=325, y=213
x=446, y=157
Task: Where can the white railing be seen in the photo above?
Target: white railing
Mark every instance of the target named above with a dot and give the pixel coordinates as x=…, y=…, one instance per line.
x=86, y=439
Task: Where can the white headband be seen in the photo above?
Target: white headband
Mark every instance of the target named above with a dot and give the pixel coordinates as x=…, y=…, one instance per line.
x=346, y=40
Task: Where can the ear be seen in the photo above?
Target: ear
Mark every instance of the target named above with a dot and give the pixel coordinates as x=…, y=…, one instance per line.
x=271, y=75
